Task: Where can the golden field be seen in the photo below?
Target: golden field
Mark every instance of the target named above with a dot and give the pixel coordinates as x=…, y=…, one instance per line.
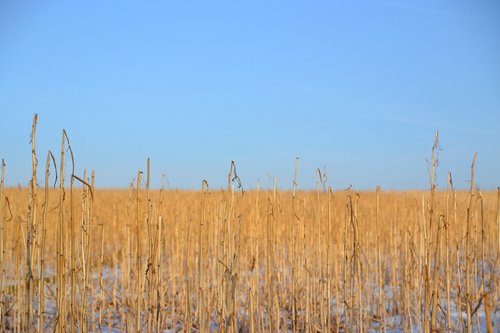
x=75, y=258
x=254, y=261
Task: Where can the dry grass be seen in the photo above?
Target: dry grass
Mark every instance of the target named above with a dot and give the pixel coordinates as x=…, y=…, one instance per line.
x=83, y=259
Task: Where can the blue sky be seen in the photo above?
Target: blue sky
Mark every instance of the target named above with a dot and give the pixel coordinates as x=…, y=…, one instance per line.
x=358, y=86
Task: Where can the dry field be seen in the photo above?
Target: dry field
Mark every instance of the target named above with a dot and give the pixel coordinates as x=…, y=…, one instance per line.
x=78, y=259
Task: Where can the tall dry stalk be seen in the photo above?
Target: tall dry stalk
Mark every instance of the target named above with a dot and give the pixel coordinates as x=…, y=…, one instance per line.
x=294, y=248
x=72, y=247
x=43, y=238
x=30, y=233
x=202, y=322
x=447, y=247
x=468, y=252
x=329, y=271
x=231, y=255
x=60, y=324
x=138, y=302
x=86, y=229
x=150, y=269
x=428, y=239
x=270, y=216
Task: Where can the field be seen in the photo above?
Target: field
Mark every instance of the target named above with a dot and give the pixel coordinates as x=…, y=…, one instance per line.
x=76, y=258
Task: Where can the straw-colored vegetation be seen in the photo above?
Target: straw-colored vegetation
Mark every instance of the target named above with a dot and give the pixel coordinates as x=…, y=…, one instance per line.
x=76, y=259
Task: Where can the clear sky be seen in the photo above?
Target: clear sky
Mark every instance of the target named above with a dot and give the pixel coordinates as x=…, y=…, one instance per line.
x=358, y=86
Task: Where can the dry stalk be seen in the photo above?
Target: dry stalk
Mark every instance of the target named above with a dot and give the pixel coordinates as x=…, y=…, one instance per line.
x=468, y=252
x=30, y=233
x=60, y=246
x=138, y=303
